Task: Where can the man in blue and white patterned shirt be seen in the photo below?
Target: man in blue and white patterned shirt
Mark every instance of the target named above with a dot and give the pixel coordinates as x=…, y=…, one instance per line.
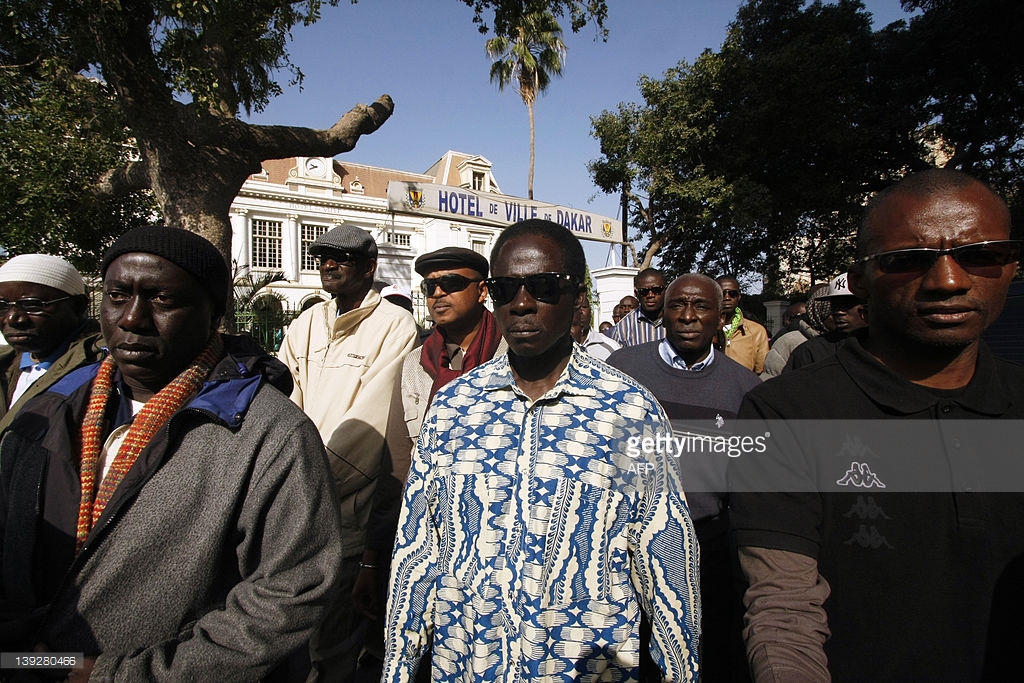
x=542, y=516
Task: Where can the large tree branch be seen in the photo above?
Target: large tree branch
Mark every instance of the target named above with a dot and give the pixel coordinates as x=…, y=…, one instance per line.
x=131, y=177
x=652, y=250
x=641, y=209
x=278, y=142
x=248, y=144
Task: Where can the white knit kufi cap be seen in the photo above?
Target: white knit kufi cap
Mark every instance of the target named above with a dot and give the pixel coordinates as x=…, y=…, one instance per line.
x=43, y=269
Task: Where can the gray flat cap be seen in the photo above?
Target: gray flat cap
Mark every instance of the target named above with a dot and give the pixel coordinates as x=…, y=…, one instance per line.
x=345, y=238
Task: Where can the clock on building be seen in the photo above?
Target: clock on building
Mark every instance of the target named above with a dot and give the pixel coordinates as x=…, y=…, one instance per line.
x=315, y=166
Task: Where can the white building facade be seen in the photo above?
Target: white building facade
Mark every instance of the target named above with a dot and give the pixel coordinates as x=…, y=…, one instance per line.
x=280, y=211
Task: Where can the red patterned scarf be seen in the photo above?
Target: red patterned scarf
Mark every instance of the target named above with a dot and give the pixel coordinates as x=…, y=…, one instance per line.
x=151, y=418
x=435, y=359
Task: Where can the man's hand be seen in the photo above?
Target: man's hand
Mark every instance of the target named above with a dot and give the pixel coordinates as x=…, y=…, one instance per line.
x=365, y=591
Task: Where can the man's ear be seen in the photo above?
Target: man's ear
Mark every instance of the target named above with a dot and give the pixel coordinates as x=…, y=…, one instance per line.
x=581, y=295
x=855, y=279
x=482, y=292
x=371, y=269
x=80, y=304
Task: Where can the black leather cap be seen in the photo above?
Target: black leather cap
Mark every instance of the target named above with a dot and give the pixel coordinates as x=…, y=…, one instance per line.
x=451, y=258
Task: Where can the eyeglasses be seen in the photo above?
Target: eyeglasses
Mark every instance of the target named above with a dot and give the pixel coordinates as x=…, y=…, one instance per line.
x=985, y=259
x=656, y=291
x=449, y=284
x=29, y=305
x=545, y=287
x=338, y=258
x=731, y=293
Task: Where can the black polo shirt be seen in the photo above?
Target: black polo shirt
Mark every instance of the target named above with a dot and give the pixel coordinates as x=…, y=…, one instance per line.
x=913, y=575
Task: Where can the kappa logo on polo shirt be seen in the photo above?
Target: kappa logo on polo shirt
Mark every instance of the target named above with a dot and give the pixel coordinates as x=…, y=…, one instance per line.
x=868, y=538
x=860, y=474
x=866, y=508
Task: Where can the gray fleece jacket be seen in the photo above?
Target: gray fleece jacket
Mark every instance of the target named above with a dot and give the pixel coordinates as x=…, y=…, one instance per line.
x=212, y=561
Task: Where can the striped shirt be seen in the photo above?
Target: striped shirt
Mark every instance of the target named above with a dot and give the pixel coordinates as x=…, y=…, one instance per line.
x=635, y=328
x=533, y=534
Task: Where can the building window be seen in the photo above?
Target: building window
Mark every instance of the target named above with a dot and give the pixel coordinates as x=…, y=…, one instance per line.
x=400, y=239
x=266, y=244
x=480, y=247
x=310, y=234
x=419, y=306
x=478, y=181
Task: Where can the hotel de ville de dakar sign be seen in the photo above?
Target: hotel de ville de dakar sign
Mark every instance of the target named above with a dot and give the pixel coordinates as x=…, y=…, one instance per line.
x=442, y=201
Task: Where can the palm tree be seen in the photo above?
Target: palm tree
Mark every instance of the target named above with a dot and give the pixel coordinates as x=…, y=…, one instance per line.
x=529, y=58
x=251, y=313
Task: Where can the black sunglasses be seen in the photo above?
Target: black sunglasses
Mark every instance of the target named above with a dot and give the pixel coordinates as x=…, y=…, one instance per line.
x=338, y=258
x=449, y=284
x=732, y=293
x=981, y=258
x=545, y=287
x=644, y=291
x=29, y=305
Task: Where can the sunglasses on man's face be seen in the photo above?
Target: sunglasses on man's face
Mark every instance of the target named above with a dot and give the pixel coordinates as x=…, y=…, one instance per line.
x=731, y=293
x=449, y=284
x=985, y=259
x=544, y=287
x=337, y=258
x=29, y=305
x=644, y=291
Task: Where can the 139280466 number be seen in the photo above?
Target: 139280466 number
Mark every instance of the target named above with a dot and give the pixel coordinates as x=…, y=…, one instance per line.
x=40, y=660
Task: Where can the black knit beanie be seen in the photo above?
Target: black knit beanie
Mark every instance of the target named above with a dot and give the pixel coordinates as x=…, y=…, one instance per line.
x=183, y=248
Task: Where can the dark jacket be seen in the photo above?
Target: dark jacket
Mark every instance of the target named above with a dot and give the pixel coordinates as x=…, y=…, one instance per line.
x=85, y=348
x=212, y=560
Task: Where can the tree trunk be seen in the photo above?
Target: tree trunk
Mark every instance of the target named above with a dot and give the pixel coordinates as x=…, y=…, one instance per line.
x=651, y=252
x=529, y=183
x=624, y=203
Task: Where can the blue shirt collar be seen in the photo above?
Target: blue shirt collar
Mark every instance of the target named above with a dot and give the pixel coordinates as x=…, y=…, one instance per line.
x=674, y=360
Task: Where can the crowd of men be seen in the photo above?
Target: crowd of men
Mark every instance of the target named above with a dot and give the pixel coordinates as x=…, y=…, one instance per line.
x=514, y=495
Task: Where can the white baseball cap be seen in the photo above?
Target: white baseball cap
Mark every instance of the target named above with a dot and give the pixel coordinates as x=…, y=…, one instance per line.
x=839, y=286
x=395, y=290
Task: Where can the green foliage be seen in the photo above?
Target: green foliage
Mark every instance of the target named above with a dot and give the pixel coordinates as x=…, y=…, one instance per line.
x=529, y=56
x=968, y=60
x=220, y=54
x=759, y=157
x=248, y=286
x=192, y=36
x=58, y=132
x=257, y=312
x=617, y=133
x=508, y=15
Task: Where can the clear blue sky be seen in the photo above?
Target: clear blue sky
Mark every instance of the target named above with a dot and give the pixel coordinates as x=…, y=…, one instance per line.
x=429, y=56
